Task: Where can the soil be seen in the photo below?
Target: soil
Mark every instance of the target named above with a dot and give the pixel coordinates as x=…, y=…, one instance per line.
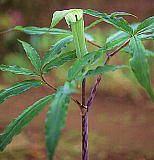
x=119, y=129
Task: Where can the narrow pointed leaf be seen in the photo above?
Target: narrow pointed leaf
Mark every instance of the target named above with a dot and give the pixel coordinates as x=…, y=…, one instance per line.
x=139, y=65
x=147, y=52
x=32, y=55
x=39, y=31
x=146, y=26
x=75, y=70
x=17, y=70
x=146, y=36
x=55, y=119
x=59, y=60
x=93, y=24
x=114, y=43
x=112, y=14
x=16, y=126
x=102, y=70
x=56, y=49
x=117, y=35
x=118, y=22
x=121, y=14
x=19, y=88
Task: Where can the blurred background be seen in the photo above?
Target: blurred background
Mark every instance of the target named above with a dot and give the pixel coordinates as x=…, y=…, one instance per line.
x=122, y=116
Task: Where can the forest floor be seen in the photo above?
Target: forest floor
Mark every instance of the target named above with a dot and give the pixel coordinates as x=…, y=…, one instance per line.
x=119, y=129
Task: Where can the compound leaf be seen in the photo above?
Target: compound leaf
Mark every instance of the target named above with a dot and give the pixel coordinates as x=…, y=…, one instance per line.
x=19, y=88
x=118, y=22
x=16, y=126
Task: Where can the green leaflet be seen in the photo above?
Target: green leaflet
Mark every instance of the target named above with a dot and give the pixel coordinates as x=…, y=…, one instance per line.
x=16, y=126
x=121, y=14
x=59, y=60
x=102, y=70
x=118, y=22
x=56, y=49
x=118, y=35
x=104, y=15
x=56, y=116
x=146, y=26
x=146, y=36
x=18, y=70
x=18, y=88
x=115, y=40
x=147, y=52
x=139, y=65
x=93, y=24
x=114, y=43
x=32, y=55
x=75, y=71
x=39, y=31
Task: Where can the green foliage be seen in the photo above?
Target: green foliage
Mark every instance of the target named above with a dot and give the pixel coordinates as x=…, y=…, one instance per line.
x=16, y=126
x=18, y=70
x=118, y=22
x=40, y=31
x=139, y=65
x=32, y=55
x=84, y=66
x=18, y=88
x=112, y=43
x=59, y=60
x=146, y=26
x=56, y=116
x=76, y=70
x=147, y=52
x=55, y=50
x=122, y=14
x=102, y=70
x=116, y=39
x=146, y=36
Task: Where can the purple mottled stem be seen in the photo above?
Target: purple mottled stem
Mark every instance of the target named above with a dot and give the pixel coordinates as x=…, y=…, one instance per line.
x=85, y=154
x=93, y=92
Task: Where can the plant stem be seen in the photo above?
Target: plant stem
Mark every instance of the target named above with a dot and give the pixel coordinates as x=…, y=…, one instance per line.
x=85, y=154
x=99, y=77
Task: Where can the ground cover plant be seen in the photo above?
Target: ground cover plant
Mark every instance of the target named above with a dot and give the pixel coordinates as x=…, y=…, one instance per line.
x=84, y=64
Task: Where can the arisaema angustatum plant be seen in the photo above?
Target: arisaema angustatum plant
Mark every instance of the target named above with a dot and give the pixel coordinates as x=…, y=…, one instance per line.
x=84, y=65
